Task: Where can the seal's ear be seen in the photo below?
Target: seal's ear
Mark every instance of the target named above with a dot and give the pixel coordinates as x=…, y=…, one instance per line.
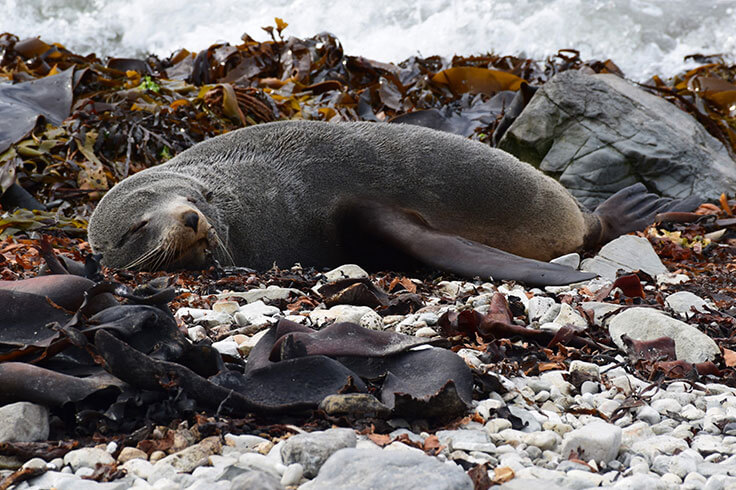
x=410, y=234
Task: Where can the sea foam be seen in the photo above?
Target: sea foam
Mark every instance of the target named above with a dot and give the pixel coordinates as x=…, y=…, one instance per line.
x=643, y=37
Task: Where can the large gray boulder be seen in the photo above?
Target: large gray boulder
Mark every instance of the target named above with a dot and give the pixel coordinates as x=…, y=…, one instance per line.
x=599, y=134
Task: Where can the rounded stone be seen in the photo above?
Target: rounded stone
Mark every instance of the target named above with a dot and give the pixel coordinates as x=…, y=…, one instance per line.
x=87, y=457
x=128, y=453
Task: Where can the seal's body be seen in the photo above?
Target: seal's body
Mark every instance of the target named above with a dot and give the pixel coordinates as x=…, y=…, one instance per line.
x=320, y=194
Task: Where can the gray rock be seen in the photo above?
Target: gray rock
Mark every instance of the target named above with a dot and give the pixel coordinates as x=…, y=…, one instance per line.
x=570, y=260
x=648, y=414
x=641, y=481
x=260, y=462
x=87, y=457
x=355, y=469
x=256, y=479
x=568, y=316
x=719, y=482
x=677, y=465
x=587, y=368
x=347, y=271
x=353, y=403
x=646, y=324
x=426, y=332
x=255, y=313
x=666, y=406
x=627, y=252
x=538, y=306
x=244, y=442
x=208, y=485
x=138, y=467
x=345, y=313
x=214, y=319
x=550, y=313
x=128, y=453
x=682, y=303
x=599, y=133
x=598, y=440
x=35, y=463
x=187, y=459
x=228, y=347
x=466, y=440
x=599, y=310
x=270, y=293
x=24, y=422
x=429, y=318
x=531, y=424
x=652, y=447
x=312, y=450
x=530, y=484
x=292, y=475
x=591, y=387
x=67, y=481
x=694, y=480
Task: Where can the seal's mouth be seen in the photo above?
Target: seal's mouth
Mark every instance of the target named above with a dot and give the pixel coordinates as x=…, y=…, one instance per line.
x=187, y=241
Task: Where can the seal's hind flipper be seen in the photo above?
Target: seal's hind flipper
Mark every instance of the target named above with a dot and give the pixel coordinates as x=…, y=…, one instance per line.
x=633, y=208
x=407, y=232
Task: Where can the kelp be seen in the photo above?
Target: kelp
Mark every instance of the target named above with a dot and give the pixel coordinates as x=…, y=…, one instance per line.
x=708, y=92
x=129, y=114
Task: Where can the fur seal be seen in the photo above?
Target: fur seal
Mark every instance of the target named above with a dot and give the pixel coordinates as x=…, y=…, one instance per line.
x=381, y=195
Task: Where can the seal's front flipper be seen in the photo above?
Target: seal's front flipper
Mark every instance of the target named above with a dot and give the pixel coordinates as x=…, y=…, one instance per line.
x=409, y=234
x=633, y=208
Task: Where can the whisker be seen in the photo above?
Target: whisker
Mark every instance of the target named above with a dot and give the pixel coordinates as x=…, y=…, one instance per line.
x=143, y=258
x=225, y=251
x=162, y=259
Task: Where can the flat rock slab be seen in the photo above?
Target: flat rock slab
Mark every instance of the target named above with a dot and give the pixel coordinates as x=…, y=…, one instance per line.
x=357, y=469
x=691, y=344
x=683, y=303
x=627, y=252
x=600, y=133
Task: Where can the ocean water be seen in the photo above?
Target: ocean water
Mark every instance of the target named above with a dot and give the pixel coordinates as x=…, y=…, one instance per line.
x=643, y=37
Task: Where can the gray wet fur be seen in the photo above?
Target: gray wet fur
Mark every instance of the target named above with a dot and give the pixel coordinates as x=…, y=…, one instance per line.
x=277, y=187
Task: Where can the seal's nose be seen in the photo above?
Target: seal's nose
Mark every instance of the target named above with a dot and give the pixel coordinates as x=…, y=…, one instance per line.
x=191, y=219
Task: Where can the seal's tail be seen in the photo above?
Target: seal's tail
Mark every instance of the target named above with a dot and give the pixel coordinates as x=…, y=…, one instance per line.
x=634, y=208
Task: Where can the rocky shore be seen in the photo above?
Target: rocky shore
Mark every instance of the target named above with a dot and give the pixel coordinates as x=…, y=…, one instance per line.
x=625, y=381
x=621, y=414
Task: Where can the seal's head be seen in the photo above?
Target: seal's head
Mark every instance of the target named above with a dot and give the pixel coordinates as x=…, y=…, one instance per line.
x=155, y=221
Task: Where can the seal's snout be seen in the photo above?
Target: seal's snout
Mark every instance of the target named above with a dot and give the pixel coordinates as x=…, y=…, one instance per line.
x=191, y=219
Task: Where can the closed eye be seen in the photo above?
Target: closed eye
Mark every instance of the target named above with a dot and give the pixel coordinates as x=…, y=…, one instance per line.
x=131, y=231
